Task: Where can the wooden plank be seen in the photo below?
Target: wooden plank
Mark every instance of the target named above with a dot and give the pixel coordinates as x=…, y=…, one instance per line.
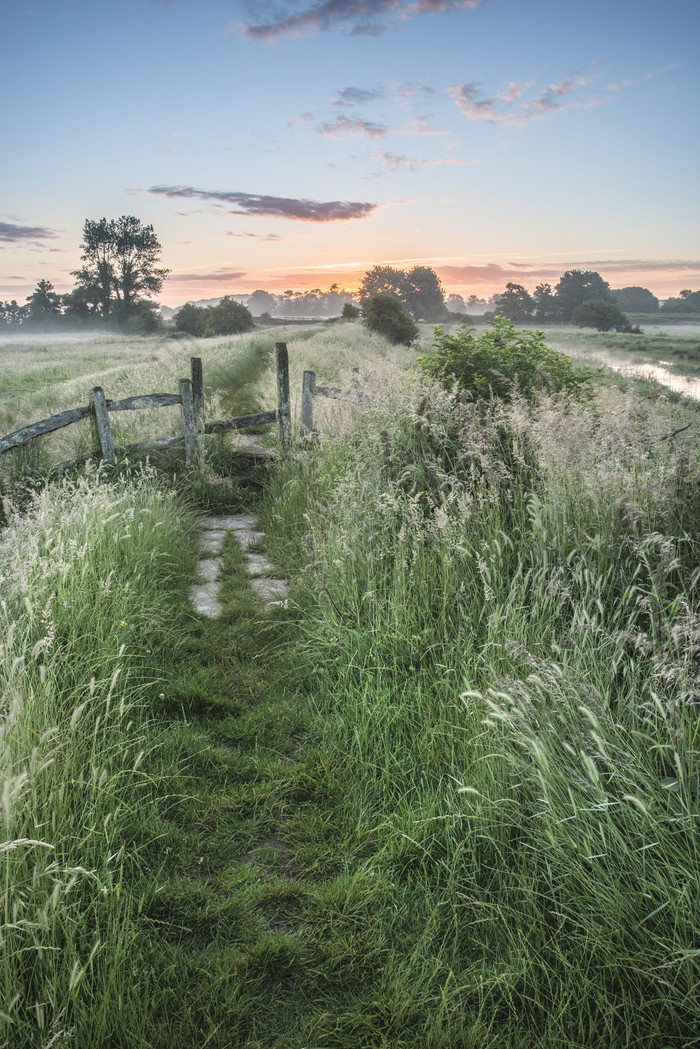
x=241, y=422
x=308, y=394
x=188, y=433
x=102, y=427
x=198, y=404
x=343, y=395
x=54, y=422
x=284, y=405
x=146, y=400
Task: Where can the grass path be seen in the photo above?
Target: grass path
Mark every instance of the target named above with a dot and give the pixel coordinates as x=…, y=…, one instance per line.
x=259, y=926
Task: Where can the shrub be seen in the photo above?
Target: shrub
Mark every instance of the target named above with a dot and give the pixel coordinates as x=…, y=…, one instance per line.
x=350, y=311
x=386, y=316
x=191, y=319
x=229, y=317
x=601, y=315
x=502, y=357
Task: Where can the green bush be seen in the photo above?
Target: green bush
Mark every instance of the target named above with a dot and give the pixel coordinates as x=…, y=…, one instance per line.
x=386, y=316
x=501, y=358
x=601, y=315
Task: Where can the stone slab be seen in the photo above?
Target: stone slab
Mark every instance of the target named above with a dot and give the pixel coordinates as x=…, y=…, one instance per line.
x=247, y=538
x=270, y=589
x=208, y=568
x=230, y=523
x=204, y=597
x=211, y=542
x=258, y=564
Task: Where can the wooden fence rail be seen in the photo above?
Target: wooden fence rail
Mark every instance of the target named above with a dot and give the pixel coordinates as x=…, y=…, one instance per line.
x=310, y=391
x=194, y=427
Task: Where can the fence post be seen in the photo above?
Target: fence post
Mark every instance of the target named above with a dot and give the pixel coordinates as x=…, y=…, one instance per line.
x=188, y=427
x=198, y=404
x=308, y=394
x=284, y=407
x=101, y=417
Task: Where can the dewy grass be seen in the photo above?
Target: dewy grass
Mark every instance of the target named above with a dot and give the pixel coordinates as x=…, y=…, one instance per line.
x=87, y=575
x=505, y=657
x=448, y=797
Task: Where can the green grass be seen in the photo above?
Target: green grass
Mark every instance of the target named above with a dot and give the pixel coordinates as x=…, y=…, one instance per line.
x=447, y=798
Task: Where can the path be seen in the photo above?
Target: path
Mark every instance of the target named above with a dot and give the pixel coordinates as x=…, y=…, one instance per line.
x=244, y=527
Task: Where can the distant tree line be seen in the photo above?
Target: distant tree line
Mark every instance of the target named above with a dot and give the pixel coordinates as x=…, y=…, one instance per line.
x=121, y=270
x=583, y=297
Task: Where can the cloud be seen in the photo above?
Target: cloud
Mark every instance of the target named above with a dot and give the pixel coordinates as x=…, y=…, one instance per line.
x=273, y=207
x=344, y=126
x=256, y=236
x=356, y=96
x=404, y=162
x=204, y=278
x=352, y=17
x=509, y=107
x=12, y=234
x=618, y=271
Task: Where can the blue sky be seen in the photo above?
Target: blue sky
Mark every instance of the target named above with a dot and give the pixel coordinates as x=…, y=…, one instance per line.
x=295, y=143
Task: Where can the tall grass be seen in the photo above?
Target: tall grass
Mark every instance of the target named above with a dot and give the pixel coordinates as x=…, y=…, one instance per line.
x=89, y=576
x=504, y=630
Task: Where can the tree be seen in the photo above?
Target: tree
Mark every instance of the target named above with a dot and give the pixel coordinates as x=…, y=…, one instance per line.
x=420, y=290
x=384, y=280
x=12, y=315
x=578, y=286
x=515, y=303
x=424, y=295
x=191, y=319
x=635, y=300
x=386, y=316
x=546, y=306
x=229, y=317
x=456, y=304
x=44, y=305
x=80, y=304
x=121, y=259
x=350, y=311
x=260, y=302
x=601, y=315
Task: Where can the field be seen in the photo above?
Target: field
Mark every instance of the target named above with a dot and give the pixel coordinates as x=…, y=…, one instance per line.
x=448, y=797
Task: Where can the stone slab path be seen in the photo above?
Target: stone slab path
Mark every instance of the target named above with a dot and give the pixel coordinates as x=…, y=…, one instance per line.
x=205, y=596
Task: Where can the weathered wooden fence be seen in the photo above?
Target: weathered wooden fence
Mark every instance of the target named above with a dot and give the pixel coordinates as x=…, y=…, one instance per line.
x=310, y=391
x=194, y=426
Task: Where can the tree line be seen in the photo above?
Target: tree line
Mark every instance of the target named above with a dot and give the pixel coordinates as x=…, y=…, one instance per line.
x=121, y=270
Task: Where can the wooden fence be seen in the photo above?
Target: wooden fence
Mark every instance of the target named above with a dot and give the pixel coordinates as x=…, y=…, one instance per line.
x=310, y=391
x=194, y=426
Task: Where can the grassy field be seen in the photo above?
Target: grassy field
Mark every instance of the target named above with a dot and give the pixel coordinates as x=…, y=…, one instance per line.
x=448, y=797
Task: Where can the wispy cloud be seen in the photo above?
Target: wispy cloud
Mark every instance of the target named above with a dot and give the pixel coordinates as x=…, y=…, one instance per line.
x=661, y=69
x=204, y=278
x=512, y=106
x=256, y=236
x=356, y=96
x=273, y=207
x=404, y=161
x=10, y=233
x=352, y=17
x=344, y=126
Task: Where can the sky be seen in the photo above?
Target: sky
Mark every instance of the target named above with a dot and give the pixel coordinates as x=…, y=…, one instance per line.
x=282, y=144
